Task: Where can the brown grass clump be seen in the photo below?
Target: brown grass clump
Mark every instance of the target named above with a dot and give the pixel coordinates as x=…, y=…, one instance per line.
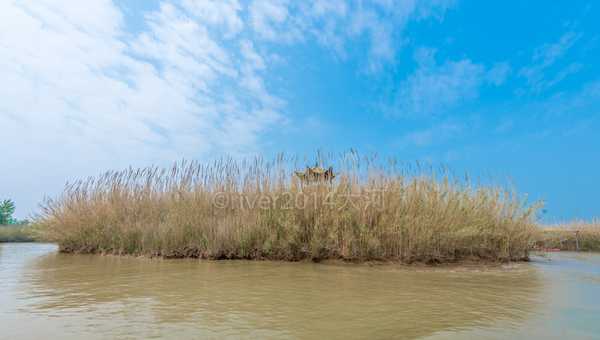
x=258, y=210
x=578, y=235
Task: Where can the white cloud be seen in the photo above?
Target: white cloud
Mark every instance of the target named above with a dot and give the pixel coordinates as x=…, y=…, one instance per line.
x=334, y=23
x=568, y=70
x=545, y=57
x=224, y=14
x=269, y=20
x=433, y=88
x=571, y=106
x=80, y=95
x=249, y=53
x=498, y=73
x=549, y=53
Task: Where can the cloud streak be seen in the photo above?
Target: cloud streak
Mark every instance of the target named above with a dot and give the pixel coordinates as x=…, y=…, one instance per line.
x=433, y=88
x=336, y=23
x=545, y=57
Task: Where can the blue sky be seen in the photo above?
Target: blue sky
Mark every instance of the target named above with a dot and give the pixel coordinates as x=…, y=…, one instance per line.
x=508, y=91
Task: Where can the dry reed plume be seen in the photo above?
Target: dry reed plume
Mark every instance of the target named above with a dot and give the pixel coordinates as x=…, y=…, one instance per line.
x=257, y=210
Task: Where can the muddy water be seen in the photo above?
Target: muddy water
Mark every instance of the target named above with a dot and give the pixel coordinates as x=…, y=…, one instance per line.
x=44, y=294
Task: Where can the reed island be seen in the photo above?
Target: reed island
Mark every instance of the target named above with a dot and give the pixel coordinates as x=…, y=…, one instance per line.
x=357, y=210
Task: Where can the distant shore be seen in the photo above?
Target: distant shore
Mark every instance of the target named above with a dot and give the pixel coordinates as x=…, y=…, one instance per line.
x=16, y=233
x=574, y=236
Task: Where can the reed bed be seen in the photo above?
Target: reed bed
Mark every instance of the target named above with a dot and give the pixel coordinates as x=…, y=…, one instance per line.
x=258, y=210
x=573, y=236
x=17, y=233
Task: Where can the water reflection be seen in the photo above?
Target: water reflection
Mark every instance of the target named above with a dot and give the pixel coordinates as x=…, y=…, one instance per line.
x=117, y=297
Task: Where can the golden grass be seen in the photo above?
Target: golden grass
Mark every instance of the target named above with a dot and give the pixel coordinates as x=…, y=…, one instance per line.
x=578, y=235
x=258, y=210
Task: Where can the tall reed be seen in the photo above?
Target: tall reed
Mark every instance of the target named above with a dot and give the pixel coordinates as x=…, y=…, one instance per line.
x=258, y=210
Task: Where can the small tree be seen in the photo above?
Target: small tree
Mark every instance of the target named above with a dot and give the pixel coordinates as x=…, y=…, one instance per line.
x=7, y=208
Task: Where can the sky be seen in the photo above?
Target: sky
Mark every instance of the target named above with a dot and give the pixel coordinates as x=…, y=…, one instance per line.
x=504, y=90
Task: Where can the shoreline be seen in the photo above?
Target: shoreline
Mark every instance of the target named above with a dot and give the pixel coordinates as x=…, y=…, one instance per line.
x=462, y=263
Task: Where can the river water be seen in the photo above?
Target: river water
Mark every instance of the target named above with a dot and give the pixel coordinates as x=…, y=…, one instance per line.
x=44, y=294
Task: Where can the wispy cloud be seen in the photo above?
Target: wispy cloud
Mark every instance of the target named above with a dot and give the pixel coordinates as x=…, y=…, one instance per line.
x=161, y=88
x=433, y=89
x=432, y=135
x=335, y=23
x=222, y=14
x=555, y=115
x=579, y=104
x=498, y=73
x=80, y=94
x=546, y=56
